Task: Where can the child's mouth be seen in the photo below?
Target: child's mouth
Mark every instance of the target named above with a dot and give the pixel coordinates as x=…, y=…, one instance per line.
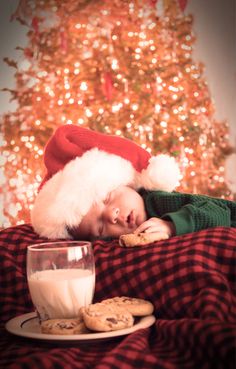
x=130, y=218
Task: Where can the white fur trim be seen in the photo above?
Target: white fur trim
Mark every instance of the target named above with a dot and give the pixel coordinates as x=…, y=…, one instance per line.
x=69, y=194
x=162, y=173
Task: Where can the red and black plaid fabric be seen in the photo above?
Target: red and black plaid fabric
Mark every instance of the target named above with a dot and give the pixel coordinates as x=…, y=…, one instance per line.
x=190, y=279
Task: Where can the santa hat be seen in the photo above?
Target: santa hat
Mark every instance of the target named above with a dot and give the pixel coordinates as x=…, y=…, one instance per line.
x=83, y=166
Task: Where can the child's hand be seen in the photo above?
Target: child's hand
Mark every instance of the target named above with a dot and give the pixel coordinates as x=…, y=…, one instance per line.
x=156, y=225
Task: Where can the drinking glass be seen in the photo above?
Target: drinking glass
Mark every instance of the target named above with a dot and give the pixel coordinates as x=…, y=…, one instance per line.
x=61, y=278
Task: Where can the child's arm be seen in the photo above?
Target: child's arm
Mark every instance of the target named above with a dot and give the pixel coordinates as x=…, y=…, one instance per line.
x=176, y=213
x=193, y=217
x=200, y=215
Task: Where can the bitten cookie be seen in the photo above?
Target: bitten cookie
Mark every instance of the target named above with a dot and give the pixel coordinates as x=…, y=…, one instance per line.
x=63, y=326
x=104, y=317
x=141, y=239
x=137, y=307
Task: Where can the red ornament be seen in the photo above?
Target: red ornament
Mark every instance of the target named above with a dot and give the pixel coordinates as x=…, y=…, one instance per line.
x=182, y=4
x=28, y=53
x=108, y=85
x=153, y=3
x=35, y=25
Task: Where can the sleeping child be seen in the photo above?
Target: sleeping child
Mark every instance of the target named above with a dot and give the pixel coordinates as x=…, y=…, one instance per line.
x=100, y=186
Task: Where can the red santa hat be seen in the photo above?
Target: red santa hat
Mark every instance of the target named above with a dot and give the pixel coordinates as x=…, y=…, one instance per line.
x=83, y=166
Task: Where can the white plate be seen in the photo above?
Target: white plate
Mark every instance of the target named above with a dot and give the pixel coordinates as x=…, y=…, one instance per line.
x=27, y=325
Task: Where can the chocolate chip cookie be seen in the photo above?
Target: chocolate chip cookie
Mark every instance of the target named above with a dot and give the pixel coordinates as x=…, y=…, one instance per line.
x=102, y=317
x=136, y=306
x=141, y=239
x=63, y=326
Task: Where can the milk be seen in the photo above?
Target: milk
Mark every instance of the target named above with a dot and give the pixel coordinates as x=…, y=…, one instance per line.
x=60, y=293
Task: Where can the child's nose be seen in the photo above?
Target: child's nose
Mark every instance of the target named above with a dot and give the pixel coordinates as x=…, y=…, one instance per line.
x=112, y=214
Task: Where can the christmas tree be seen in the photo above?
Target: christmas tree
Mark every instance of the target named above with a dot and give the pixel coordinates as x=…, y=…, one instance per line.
x=120, y=67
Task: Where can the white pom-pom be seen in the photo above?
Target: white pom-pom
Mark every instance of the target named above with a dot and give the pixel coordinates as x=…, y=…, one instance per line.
x=162, y=173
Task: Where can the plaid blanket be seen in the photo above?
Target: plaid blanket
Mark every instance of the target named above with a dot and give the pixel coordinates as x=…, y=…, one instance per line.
x=190, y=279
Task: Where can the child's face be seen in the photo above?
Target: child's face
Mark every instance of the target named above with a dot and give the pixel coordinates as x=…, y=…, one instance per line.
x=120, y=213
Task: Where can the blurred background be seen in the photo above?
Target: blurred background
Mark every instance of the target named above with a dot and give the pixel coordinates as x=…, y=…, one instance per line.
x=159, y=72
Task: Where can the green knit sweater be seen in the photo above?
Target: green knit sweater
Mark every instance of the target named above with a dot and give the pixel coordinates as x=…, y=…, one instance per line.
x=188, y=212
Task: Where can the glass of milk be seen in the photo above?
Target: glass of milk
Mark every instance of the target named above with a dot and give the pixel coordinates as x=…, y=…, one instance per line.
x=61, y=278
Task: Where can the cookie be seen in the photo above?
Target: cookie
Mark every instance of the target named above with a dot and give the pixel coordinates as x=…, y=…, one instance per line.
x=101, y=317
x=137, y=307
x=63, y=326
x=141, y=239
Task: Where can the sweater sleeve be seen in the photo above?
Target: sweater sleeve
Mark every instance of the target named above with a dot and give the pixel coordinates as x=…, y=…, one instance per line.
x=201, y=215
